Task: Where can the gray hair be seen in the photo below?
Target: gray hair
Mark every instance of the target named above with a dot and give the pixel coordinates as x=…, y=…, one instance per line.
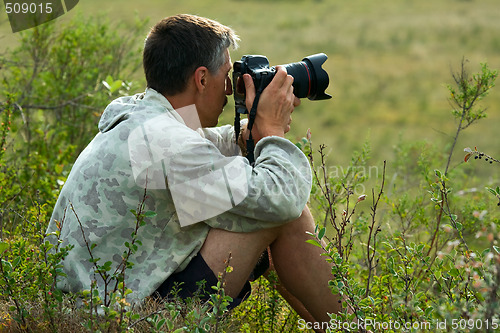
x=179, y=44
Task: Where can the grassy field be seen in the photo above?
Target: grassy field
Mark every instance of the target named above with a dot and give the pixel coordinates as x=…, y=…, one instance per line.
x=389, y=61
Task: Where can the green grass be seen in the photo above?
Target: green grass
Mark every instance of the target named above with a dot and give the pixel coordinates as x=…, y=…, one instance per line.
x=388, y=61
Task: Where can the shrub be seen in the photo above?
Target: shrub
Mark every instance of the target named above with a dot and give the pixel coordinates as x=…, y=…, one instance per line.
x=430, y=261
x=54, y=86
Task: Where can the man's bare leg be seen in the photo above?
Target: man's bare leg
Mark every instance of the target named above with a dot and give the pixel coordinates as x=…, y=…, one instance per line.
x=300, y=266
x=292, y=300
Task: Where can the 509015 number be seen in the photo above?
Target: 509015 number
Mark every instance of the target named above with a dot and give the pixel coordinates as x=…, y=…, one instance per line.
x=28, y=7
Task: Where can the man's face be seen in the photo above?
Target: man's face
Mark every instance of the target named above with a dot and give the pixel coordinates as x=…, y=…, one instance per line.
x=218, y=87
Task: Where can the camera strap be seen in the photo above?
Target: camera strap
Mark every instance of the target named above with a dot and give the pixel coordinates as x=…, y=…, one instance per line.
x=251, y=120
x=250, y=144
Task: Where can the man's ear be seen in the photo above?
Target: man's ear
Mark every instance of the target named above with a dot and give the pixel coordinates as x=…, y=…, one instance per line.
x=200, y=78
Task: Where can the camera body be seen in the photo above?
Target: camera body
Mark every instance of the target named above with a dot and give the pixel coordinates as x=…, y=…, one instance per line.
x=310, y=80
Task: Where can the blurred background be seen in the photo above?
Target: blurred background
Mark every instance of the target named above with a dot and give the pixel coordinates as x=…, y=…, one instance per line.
x=389, y=62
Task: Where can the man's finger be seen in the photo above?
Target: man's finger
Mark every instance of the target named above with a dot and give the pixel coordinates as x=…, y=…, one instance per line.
x=249, y=90
x=296, y=101
x=280, y=77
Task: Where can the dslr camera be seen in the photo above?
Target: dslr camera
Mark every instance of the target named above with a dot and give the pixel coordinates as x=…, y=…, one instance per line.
x=310, y=80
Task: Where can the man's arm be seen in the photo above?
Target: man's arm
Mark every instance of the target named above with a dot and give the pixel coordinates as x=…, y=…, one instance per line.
x=228, y=193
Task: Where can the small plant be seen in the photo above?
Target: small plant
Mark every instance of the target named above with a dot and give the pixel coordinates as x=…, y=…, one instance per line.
x=356, y=303
x=29, y=270
x=110, y=298
x=51, y=97
x=265, y=310
x=465, y=96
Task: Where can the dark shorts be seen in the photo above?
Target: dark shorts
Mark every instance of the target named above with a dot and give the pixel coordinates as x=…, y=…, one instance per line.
x=186, y=283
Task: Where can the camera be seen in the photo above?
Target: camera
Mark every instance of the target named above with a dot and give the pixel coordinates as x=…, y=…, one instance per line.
x=310, y=80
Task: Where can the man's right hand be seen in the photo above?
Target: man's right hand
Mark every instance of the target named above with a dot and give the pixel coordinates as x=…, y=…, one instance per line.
x=275, y=107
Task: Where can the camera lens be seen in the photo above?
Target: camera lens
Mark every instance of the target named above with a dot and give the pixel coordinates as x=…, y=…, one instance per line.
x=310, y=80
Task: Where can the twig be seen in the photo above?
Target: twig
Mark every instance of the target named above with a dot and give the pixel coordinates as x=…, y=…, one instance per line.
x=373, y=232
x=99, y=271
x=478, y=155
x=71, y=102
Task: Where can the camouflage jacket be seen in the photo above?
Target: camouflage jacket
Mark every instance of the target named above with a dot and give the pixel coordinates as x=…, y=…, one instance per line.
x=193, y=179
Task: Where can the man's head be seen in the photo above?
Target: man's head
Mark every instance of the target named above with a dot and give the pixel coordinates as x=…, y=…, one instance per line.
x=178, y=45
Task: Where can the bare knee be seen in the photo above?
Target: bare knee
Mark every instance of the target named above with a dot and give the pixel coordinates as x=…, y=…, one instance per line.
x=245, y=248
x=305, y=222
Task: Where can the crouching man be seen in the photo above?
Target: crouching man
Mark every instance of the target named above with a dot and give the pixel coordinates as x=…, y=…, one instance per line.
x=161, y=149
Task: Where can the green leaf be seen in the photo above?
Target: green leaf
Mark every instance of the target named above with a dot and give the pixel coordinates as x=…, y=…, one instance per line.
x=58, y=168
x=429, y=310
x=321, y=233
x=454, y=272
x=112, y=85
x=150, y=214
x=160, y=323
x=492, y=191
x=115, y=86
x=58, y=295
x=3, y=247
x=16, y=262
x=313, y=242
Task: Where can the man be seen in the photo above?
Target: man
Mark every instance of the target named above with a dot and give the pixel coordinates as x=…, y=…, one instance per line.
x=160, y=149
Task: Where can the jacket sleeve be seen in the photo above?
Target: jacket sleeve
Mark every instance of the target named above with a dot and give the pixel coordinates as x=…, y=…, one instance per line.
x=229, y=193
x=225, y=192
x=278, y=186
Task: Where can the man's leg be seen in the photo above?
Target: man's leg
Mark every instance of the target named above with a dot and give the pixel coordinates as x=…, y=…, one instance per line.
x=292, y=300
x=300, y=267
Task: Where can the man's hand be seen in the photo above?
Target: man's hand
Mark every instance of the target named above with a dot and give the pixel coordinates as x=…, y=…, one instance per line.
x=275, y=107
